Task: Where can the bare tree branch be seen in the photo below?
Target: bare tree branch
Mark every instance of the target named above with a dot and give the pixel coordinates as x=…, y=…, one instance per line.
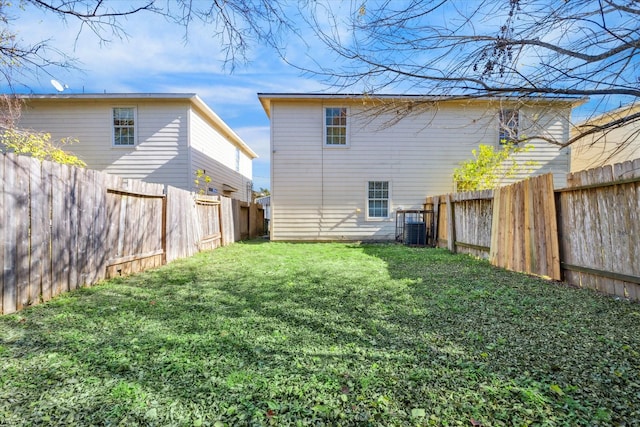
x=516, y=48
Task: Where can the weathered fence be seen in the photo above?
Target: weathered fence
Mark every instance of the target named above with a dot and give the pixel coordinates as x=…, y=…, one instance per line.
x=471, y=223
x=63, y=227
x=599, y=222
x=587, y=234
x=136, y=218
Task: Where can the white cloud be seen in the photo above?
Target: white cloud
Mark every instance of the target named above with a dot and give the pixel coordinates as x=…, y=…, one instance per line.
x=155, y=58
x=257, y=137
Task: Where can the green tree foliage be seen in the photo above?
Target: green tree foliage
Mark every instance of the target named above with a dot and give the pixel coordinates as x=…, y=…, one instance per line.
x=262, y=192
x=201, y=182
x=489, y=167
x=39, y=146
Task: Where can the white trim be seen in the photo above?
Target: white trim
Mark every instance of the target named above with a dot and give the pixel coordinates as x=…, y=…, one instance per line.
x=389, y=201
x=113, y=128
x=347, y=143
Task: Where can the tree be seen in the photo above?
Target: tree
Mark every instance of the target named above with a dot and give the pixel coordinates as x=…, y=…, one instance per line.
x=262, y=192
x=238, y=24
x=461, y=48
x=201, y=182
x=489, y=167
x=35, y=144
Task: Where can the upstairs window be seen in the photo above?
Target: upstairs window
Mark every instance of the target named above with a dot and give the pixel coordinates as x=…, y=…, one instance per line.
x=124, y=126
x=509, y=121
x=378, y=199
x=335, y=126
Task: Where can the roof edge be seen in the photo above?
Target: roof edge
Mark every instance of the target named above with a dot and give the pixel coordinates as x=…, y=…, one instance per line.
x=266, y=98
x=196, y=100
x=192, y=98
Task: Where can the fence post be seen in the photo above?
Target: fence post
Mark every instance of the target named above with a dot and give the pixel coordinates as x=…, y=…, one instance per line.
x=436, y=219
x=451, y=224
x=164, y=226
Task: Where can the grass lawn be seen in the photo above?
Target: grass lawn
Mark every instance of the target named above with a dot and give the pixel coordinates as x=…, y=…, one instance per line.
x=323, y=334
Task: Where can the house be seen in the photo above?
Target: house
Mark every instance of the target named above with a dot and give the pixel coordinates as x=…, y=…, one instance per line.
x=343, y=165
x=607, y=147
x=159, y=138
x=265, y=202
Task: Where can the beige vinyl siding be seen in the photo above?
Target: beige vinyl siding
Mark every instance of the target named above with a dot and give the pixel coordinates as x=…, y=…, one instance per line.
x=160, y=153
x=320, y=192
x=549, y=158
x=616, y=146
x=296, y=164
x=212, y=152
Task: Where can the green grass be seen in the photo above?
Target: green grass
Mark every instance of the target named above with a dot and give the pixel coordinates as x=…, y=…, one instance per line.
x=323, y=334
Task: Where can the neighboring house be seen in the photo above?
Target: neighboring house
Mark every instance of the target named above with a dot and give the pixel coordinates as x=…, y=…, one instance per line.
x=265, y=201
x=342, y=165
x=606, y=147
x=160, y=138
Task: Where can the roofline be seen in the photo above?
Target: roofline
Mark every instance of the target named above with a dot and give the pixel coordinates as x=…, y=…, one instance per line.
x=619, y=112
x=266, y=98
x=108, y=96
x=193, y=98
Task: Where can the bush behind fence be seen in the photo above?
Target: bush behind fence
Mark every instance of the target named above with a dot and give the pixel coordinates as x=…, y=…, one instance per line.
x=587, y=234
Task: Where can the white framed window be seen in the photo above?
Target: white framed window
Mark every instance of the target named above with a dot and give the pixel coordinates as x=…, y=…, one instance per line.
x=335, y=127
x=508, y=126
x=124, y=126
x=378, y=197
x=237, y=159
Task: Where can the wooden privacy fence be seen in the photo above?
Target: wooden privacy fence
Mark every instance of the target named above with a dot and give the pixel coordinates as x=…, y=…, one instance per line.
x=63, y=227
x=587, y=234
x=599, y=224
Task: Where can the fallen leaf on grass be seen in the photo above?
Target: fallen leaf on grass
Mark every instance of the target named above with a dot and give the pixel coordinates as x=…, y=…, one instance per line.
x=556, y=389
x=418, y=412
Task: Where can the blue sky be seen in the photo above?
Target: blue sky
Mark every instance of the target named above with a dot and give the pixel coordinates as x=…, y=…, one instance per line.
x=154, y=58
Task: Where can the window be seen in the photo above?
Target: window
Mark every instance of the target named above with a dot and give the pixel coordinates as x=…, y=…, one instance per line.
x=508, y=126
x=237, y=159
x=124, y=134
x=378, y=199
x=335, y=129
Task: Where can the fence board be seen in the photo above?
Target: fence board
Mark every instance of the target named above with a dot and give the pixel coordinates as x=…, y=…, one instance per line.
x=228, y=227
x=451, y=228
x=63, y=227
x=604, y=203
x=101, y=227
x=87, y=224
x=72, y=236
x=140, y=221
x=21, y=219
x=47, y=268
x=11, y=208
x=526, y=243
x=597, y=217
x=4, y=228
x=181, y=234
x=473, y=223
x=60, y=231
x=39, y=239
x=208, y=214
x=435, y=206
